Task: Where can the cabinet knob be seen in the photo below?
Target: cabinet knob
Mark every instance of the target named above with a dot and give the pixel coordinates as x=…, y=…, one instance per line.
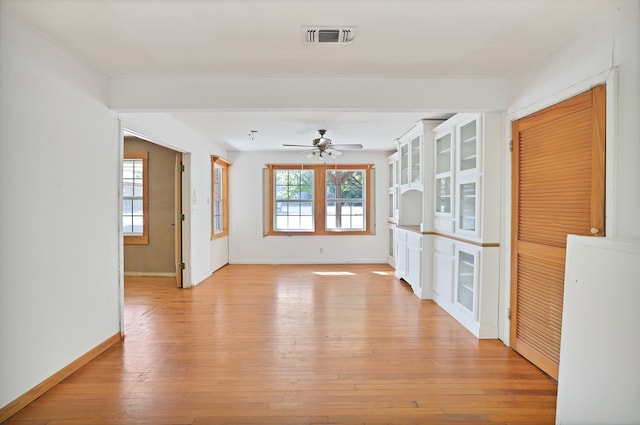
x=595, y=231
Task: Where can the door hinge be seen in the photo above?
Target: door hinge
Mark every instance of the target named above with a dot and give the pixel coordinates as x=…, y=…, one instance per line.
x=180, y=266
x=180, y=217
x=181, y=167
x=509, y=313
x=511, y=145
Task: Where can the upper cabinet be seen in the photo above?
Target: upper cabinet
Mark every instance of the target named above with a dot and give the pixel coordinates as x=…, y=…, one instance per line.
x=393, y=188
x=444, y=180
x=410, y=150
x=468, y=145
x=466, y=160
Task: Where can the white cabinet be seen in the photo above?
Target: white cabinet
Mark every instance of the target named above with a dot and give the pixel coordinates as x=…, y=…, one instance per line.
x=409, y=258
x=414, y=261
x=402, y=263
x=466, y=278
x=443, y=265
x=466, y=285
x=468, y=143
x=446, y=182
x=391, y=245
x=468, y=206
x=410, y=156
x=393, y=188
x=443, y=203
x=466, y=157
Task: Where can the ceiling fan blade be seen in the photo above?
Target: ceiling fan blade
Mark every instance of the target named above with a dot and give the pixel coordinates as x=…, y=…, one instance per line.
x=299, y=146
x=348, y=146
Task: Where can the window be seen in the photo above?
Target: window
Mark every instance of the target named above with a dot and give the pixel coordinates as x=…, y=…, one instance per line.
x=294, y=200
x=135, y=198
x=319, y=199
x=220, y=195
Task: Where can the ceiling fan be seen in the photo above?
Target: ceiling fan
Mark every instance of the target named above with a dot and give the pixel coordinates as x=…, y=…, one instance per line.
x=323, y=146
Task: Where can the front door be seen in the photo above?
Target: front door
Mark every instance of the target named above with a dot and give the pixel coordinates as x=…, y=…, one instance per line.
x=558, y=189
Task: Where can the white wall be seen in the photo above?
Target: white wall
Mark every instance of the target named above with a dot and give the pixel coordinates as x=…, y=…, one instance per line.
x=59, y=161
x=247, y=245
x=163, y=129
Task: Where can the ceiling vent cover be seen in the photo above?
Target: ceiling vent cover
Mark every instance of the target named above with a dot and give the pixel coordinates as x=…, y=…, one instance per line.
x=328, y=35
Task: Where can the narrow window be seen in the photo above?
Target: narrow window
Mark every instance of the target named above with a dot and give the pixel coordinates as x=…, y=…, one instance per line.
x=220, y=195
x=135, y=198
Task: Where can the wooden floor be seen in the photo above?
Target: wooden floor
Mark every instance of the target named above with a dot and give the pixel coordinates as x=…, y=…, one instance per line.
x=295, y=345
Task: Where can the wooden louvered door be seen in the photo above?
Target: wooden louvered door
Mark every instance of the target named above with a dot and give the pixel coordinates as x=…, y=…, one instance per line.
x=558, y=189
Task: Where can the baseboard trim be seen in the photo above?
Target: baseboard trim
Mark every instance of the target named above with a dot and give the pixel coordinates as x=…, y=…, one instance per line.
x=150, y=274
x=25, y=399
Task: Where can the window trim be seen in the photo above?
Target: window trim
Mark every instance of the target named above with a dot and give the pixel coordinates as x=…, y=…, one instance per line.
x=144, y=238
x=319, y=199
x=224, y=165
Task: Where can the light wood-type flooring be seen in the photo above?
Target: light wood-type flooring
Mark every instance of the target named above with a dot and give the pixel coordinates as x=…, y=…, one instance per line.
x=295, y=344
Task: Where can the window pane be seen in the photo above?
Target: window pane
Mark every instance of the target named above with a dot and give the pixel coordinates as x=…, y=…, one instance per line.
x=127, y=187
x=127, y=168
x=137, y=224
x=127, y=207
x=137, y=206
x=127, y=224
x=137, y=187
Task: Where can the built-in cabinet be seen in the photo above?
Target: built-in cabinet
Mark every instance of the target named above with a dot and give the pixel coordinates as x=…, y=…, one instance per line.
x=409, y=258
x=455, y=234
x=410, y=155
x=413, y=194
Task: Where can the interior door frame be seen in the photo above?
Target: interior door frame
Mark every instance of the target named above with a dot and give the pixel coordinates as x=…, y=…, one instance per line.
x=608, y=78
x=124, y=126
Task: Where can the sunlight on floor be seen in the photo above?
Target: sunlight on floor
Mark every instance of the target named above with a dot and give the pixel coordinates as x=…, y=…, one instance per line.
x=385, y=273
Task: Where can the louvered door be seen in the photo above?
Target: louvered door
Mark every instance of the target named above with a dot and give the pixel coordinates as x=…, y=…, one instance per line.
x=558, y=189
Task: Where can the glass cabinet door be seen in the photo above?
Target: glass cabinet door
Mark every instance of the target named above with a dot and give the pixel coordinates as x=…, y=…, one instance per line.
x=443, y=195
x=467, y=206
x=392, y=206
x=443, y=174
x=404, y=164
x=443, y=154
x=415, y=160
x=391, y=175
x=466, y=279
x=468, y=146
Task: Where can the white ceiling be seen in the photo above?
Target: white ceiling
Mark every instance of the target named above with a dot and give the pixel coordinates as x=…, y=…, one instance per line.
x=394, y=38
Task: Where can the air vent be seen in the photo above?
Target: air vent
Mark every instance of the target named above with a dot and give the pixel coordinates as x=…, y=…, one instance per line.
x=328, y=35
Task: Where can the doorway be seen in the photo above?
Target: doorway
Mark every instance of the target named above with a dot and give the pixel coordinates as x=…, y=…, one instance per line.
x=558, y=186
x=161, y=252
